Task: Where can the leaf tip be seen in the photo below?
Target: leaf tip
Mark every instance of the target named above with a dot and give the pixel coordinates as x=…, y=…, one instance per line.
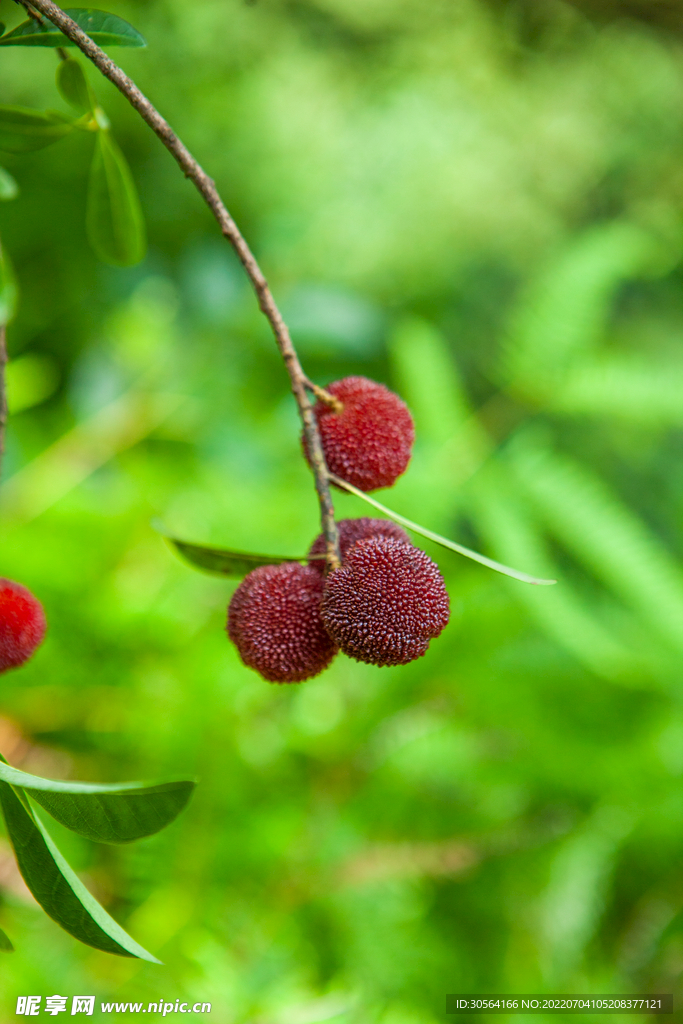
x=151, y=959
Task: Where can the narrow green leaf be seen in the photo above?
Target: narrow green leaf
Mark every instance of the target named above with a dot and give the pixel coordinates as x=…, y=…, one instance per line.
x=23, y=130
x=73, y=85
x=2, y=27
x=117, y=816
x=114, y=813
x=114, y=221
x=220, y=560
x=56, y=887
x=225, y=563
x=5, y=943
x=438, y=539
x=8, y=186
x=103, y=28
x=8, y=288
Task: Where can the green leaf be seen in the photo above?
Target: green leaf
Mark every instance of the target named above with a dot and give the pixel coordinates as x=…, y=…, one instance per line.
x=8, y=186
x=73, y=85
x=116, y=816
x=116, y=813
x=223, y=562
x=23, y=130
x=438, y=539
x=114, y=221
x=5, y=943
x=103, y=28
x=56, y=887
x=8, y=288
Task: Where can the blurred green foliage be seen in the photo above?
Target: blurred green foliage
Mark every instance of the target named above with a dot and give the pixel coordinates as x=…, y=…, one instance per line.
x=480, y=204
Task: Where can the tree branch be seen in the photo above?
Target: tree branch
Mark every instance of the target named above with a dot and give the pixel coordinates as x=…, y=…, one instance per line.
x=207, y=189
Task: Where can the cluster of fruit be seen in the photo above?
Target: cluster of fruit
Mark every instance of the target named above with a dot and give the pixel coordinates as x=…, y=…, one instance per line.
x=386, y=601
x=382, y=606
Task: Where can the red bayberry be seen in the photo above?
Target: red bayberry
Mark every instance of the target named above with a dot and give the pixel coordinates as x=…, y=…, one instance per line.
x=385, y=603
x=369, y=442
x=350, y=532
x=22, y=624
x=274, y=621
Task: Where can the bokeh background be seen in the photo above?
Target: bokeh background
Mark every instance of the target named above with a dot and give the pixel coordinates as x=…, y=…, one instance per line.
x=480, y=204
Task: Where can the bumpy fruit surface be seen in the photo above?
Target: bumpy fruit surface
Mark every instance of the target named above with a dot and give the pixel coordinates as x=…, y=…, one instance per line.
x=274, y=621
x=385, y=603
x=22, y=624
x=350, y=532
x=369, y=442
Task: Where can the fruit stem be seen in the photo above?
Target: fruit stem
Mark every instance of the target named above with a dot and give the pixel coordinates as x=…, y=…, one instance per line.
x=323, y=395
x=209, y=193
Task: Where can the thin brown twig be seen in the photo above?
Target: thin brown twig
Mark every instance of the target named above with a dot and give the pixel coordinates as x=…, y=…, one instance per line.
x=207, y=189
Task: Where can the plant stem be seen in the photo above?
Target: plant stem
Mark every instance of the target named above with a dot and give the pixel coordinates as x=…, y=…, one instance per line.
x=207, y=189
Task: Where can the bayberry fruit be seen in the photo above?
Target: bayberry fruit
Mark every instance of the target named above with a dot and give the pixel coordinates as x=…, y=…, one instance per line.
x=22, y=624
x=274, y=621
x=350, y=532
x=385, y=603
x=369, y=442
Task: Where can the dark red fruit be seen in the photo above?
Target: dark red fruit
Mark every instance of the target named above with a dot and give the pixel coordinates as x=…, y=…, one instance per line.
x=350, y=532
x=369, y=442
x=274, y=621
x=386, y=602
x=22, y=624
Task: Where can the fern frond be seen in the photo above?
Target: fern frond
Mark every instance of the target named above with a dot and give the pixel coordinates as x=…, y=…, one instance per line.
x=624, y=386
x=508, y=525
x=563, y=313
x=603, y=534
